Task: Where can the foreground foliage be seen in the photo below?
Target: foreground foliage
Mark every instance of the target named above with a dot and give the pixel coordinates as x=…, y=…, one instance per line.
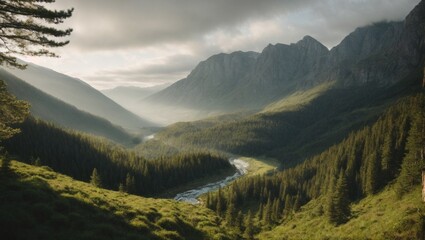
x=38, y=203
x=381, y=216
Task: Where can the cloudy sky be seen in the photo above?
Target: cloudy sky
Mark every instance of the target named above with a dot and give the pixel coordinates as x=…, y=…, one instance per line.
x=146, y=43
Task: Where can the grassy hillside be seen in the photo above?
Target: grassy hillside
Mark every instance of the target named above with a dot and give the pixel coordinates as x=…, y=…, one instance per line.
x=37, y=203
x=79, y=94
x=77, y=155
x=51, y=109
x=292, y=130
x=381, y=216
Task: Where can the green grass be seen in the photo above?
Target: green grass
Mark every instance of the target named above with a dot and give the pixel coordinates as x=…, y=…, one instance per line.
x=382, y=216
x=259, y=166
x=37, y=203
x=297, y=100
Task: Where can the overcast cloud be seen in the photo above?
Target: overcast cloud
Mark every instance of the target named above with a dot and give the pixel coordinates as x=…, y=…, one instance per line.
x=143, y=43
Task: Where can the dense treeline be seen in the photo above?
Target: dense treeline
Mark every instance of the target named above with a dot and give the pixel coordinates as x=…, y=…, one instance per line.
x=80, y=156
x=361, y=165
x=292, y=135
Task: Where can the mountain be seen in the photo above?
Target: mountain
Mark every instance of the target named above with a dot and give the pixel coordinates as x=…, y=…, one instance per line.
x=211, y=80
x=60, y=113
x=381, y=53
x=129, y=97
x=79, y=94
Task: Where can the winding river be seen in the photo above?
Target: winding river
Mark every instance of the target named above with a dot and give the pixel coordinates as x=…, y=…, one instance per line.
x=191, y=196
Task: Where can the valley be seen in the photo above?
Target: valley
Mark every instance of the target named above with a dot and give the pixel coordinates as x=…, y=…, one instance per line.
x=191, y=196
x=290, y=141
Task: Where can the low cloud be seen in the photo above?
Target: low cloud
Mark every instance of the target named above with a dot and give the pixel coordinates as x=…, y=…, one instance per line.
x=140, y=41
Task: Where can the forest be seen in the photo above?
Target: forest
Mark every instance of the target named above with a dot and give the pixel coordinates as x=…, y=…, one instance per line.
x=390, y=151
x=78, y=155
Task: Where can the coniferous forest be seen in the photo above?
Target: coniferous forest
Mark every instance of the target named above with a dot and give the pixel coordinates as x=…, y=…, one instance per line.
x=297, y=141
x=77, y=155
x=389, y=151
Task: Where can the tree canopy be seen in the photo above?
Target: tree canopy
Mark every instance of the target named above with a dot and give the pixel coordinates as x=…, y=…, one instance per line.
x=27, y=27
x=12, y=111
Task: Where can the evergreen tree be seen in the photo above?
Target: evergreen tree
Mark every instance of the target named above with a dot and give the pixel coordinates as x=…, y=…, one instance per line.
x=27, y=28
x=388, y=162
x=267, y=214
x=330, y=203
x=239, y=221
x=276, y=210
x=5, y=163
x=339, y=205
x=130, y=184
x=12, y=111
x=288, y=206
x=95, y=179
x=249, y=227
x=414, y=159
x=231, y=215
x=121, y=187
x=260, y=211
x=373, y=174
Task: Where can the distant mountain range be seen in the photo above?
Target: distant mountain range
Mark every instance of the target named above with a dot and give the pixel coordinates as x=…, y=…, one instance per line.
x=79, y=94
x=51, y=109
x=129, y=96
x=380, y=54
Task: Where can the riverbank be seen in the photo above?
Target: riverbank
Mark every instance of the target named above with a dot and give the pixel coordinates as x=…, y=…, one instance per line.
x=192, y=195
x=171, y=193
x=245, y=166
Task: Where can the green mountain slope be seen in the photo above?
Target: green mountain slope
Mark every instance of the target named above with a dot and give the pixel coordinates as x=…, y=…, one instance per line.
x=79, y=94
x=381, y=216
x=37, y=203
x=289, y=130
x=77, y=155
x=380, y=163
x=53, y=110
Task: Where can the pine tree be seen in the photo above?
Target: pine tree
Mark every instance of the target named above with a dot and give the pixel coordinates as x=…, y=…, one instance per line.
x=220, y=204
x=338, y=204
x=121, y=187
x=373, y=174
x=239, y=221
x=414, y=159
x=12, y=111
x=249, y=227
x=267, y=214
x=260, y=211
x=288, y=206
x=130, y=184
x=231, y=215
x=276, y=210
x=330, y=203
x=5, y=164
x=388, y=157
x=27, y=28
x=95, y=179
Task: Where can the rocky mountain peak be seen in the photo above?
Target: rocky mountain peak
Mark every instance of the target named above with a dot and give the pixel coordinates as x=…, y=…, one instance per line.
x=311, y=44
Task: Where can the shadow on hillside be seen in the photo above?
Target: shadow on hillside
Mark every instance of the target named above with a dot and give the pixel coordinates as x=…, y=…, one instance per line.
x=31, y=209
x=331, y=117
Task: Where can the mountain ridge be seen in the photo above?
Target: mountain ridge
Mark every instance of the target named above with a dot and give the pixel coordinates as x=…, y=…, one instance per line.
x=88, y=99
x=282, y=69
x=53, y=110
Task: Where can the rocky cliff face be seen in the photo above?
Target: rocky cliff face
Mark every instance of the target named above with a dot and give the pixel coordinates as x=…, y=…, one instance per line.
x=209, y=81
x=382, y=54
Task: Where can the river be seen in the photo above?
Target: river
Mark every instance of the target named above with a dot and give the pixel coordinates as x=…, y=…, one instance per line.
x=191, y=196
